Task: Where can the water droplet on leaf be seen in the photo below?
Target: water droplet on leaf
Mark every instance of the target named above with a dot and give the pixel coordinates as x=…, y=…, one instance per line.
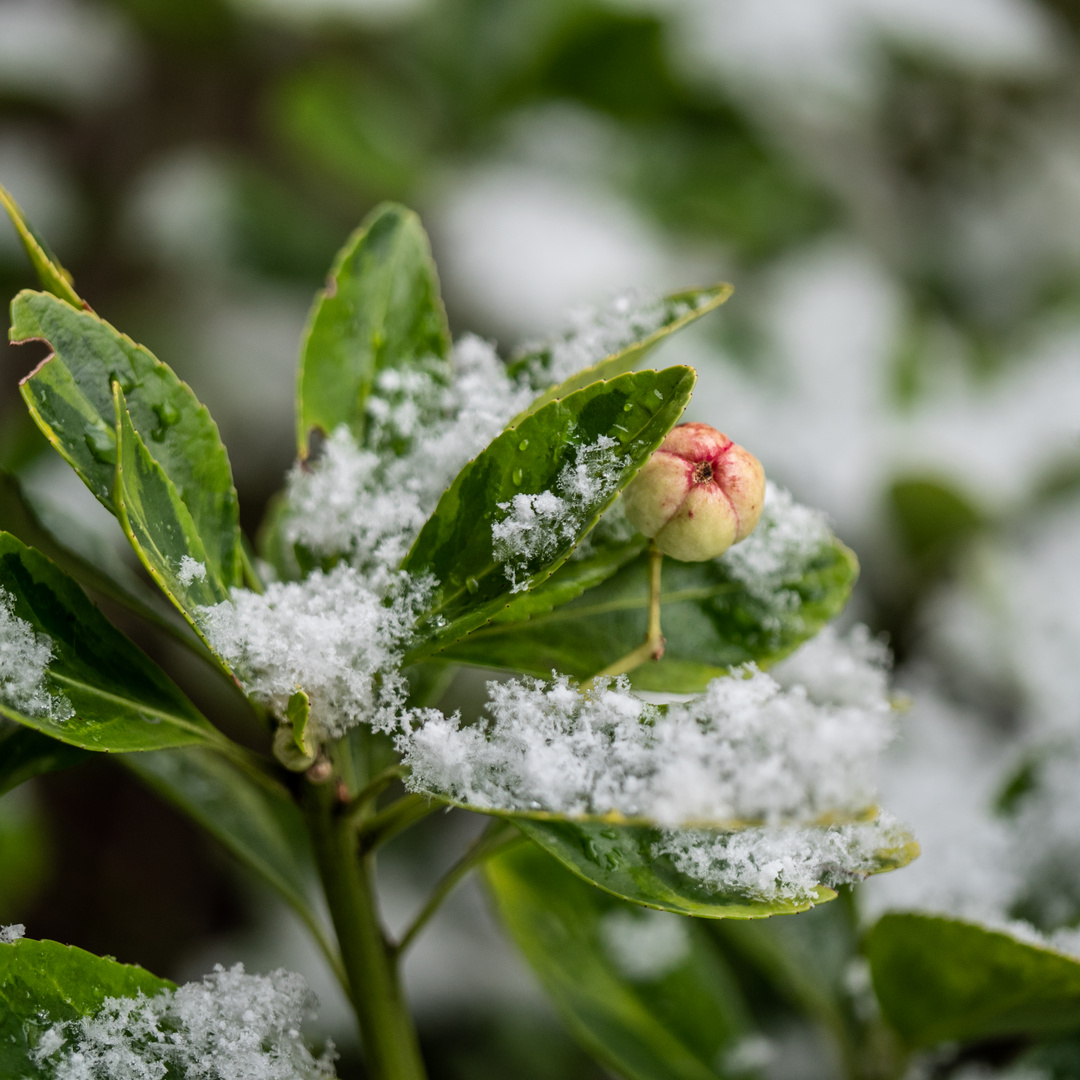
x=101, y=442
x=517, y=476
x=523, y=445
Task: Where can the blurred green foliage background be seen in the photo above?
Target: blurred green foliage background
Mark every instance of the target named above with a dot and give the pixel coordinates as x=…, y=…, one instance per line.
x=893, y=186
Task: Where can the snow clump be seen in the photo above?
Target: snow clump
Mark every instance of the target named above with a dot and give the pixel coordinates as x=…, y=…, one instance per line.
x=230, y=1026
x=748, y=749
x=786, y=862
x=24, y=665
x=10, y=934
x=535, y=526
x=597, y=333
x=369, y=502
x=333, y=634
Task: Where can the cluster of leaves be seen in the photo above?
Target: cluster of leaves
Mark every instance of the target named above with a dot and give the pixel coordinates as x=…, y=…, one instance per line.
x=150, y=452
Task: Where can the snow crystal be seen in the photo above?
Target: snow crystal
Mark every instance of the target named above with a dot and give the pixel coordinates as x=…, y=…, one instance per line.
x=230, y=1026
x=190, y=570
x=781, y=862
x=644, y=944
x=24, y=666
x=748, y=749
x=773, y=557
x=536, y=525
x=597, y=333
x=10, y=934
x=332, y=635
x=368, y=503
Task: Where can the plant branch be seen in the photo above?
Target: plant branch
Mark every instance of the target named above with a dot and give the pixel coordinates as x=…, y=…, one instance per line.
x=389, y=1036
x=357, y=807
x=397, y=817
x=652, y=648
x=498, y=835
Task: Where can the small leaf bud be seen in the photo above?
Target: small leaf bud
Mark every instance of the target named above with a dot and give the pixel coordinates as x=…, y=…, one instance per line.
x=697, y=495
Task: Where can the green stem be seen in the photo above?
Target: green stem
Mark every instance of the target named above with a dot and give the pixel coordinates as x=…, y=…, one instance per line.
x=498, y=835
x=652, y=648
x=398, y=816
x=358, y=807
x=391, y=1047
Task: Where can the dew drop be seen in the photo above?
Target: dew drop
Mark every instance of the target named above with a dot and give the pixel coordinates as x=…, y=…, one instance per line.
x=658, y=394
x=167, y=413
x=101, y=442
x=628, y=407
x=124, y=378
x=472, y=584
x=523, y=445
x=517, y=476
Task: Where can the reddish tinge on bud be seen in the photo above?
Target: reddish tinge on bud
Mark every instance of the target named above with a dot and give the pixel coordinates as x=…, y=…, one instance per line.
x=697, y=495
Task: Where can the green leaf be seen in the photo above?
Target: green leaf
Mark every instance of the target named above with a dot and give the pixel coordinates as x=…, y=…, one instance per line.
x=676, y=311
x=70, y=396
x=619, y=859
x=122, y=701
x=43, y=983
x=941, y=979
x=158, y=524
x=711, y=622
x=25, y=753
x=18, y=517
x=258, y=822
x=298, y=712
x=455, y=546
x=673, y=1023
x=49, y=271
x=380, y=309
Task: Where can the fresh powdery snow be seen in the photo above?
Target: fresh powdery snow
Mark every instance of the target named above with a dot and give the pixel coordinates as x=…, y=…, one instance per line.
x=24, y=665
x=230, y=1026
x=368, y=503
x=772, y=558
x=536, y=525
x=190, y=570
x=332, y=634
x=784, y=862
x=748, y=749
x=597, y=333
x=10, y=934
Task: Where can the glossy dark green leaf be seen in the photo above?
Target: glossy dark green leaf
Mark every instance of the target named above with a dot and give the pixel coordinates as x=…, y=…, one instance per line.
x=158, y=524
x=122, y=701
x=669, y=1016
x=257, y=822
x=119, y=583
x=49, y=271
x=455, y=546
x=25, y=753
x=676, y=311
x=941, y=979
x=711, y=621
x=381, y=308
x=619, y=859
x=43, y=983
x=70, y=396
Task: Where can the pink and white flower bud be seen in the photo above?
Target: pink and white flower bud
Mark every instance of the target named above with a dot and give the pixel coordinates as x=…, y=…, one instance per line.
x=697, y=495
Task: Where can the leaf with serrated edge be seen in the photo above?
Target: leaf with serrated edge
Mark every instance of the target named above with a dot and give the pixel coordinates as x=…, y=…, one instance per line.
x=70, y=397
x=46, y=265
x=158, y=525
x=973, y=982
x=675, y=1024
x=685, y=307
x=381, y=308
x=122, y=700
x=455, y=547
x=710, y=623
x=44, y=983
